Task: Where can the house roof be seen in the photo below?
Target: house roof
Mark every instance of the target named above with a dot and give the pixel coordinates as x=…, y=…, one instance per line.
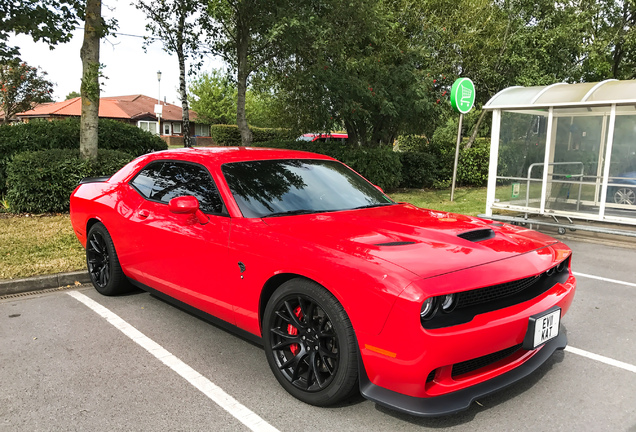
x=130, y=107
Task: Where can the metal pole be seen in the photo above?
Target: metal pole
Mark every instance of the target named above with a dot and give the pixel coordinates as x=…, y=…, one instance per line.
x=459, y=140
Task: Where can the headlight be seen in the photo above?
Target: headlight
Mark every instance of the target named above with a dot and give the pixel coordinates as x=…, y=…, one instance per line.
x=428, y=308
x=448, y=302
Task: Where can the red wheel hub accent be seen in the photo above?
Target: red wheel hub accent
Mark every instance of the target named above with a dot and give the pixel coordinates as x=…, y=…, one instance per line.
x=294, y=348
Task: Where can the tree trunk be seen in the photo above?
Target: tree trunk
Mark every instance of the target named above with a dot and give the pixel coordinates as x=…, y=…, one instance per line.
x=243, y=73
x=185, y=117
x=90, y=79
x=475, y=130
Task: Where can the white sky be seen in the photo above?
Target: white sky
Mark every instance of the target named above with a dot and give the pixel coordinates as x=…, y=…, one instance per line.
x=129, y=69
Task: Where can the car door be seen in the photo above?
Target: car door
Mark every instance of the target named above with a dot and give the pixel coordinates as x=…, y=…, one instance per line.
x=184, y=258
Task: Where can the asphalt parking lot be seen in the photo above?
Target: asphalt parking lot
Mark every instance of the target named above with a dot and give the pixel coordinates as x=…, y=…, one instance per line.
x=142, y=364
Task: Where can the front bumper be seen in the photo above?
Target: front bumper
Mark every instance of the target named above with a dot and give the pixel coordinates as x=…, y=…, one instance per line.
x=459, y=400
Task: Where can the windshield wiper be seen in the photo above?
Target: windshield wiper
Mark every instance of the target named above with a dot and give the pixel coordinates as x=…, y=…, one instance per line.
x=294, y=212
x=373, y=205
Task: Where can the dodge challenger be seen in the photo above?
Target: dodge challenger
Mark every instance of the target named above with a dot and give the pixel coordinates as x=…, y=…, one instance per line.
x=419, y=310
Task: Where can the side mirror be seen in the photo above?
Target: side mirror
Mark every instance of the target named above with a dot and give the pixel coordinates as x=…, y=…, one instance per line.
x=184, y=204
x=187, y=205
x=378, y=188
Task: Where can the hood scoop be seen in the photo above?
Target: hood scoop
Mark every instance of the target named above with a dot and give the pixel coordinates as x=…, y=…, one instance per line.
x=395, y=243
x=477, y=235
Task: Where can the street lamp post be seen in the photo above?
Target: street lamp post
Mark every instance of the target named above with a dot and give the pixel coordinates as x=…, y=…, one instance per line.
x=159, y=81
x=158, y=108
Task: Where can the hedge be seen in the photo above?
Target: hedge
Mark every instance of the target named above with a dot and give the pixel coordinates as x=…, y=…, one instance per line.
x=65, y=134
x=380, y=165
x=229, y=135
x=42, y=181
x=419, y=170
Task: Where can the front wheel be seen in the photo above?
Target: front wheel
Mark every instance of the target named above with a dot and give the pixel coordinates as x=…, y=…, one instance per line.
x=310, y=343
x=102, y=262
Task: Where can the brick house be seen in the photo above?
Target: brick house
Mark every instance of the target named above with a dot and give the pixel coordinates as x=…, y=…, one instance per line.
x=138, y=110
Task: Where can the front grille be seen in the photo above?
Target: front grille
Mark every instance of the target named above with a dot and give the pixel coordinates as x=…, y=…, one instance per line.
x=495, y=292
x=482, y=300
x=480, y=362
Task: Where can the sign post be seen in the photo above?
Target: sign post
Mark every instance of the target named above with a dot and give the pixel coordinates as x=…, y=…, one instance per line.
x=462, y=99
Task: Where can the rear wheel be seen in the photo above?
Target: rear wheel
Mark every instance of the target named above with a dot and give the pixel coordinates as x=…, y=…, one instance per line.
x=310, y=343
x=625, y=196
x=102, y=262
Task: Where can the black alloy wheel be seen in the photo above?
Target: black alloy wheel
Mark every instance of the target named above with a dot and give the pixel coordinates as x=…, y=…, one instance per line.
x=98, y=259
x=103, y=266
x=310, y=344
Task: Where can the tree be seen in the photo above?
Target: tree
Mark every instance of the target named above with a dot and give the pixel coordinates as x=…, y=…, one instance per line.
x=21, y=87
x=358, y=66
x=73, y=95
x=175, y=22
x=249, y=34
x=213, y=96
x=609, y=39
x=94, y=29
x=50, y=21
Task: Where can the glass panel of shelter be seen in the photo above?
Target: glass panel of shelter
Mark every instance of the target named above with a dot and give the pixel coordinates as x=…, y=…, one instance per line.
x=575, y=162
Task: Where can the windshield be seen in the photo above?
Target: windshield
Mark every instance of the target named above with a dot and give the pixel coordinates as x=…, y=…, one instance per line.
x=300, y=186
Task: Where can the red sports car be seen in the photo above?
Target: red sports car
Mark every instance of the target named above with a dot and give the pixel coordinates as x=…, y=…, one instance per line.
x=422, y=311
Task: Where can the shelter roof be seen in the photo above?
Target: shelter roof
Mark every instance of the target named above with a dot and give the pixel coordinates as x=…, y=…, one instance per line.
x=567, y=95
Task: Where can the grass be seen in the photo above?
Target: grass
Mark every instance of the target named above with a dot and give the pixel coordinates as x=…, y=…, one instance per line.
x=36, y=245
x=469, y=201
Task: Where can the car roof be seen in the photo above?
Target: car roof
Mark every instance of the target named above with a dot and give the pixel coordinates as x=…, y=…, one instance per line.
x=222, y=155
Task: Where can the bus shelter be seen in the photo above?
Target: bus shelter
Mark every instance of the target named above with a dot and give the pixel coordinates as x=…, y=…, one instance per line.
x=565, y=150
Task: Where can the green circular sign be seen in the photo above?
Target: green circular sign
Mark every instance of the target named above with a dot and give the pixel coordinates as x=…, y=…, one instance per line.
x=462, y=95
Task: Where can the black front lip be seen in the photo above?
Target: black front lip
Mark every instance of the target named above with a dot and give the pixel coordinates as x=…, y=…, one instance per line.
x=460, y=400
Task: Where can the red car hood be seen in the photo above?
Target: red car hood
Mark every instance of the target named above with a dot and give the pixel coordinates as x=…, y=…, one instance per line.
x=425, y=242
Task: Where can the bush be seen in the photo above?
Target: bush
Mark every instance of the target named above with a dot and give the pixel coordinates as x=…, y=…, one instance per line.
x=270, y=134
x=419, y=170
x=42, y=181
x=127, y=138
x=64, y=134
x=225, y=135
x=472, y=169
x=380, y=165
x=411, y=143
x=229, y=135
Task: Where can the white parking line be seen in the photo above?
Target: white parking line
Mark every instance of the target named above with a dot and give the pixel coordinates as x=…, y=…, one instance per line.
x=577, y=274
x=211, y=390
x=602, y=359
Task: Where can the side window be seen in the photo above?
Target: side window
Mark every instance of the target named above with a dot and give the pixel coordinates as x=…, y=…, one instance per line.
x=163, y=181
x=144, y=182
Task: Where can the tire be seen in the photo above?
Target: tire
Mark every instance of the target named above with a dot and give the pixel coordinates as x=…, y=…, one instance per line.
x=102, y=262
x=300, y=317
x=625, y=195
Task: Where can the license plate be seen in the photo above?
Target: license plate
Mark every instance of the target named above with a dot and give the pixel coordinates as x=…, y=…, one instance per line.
x=542, y=328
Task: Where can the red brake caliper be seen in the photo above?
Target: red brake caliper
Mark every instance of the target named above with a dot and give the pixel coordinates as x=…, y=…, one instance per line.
x=294, y=348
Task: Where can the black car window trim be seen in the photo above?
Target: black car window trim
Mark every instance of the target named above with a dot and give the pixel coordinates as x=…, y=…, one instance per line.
x=131, y=184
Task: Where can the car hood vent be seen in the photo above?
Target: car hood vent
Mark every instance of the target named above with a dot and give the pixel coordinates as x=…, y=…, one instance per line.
x=396, y=243
x=477, y=235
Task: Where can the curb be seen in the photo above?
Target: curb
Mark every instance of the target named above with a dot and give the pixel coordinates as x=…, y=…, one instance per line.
x=17, y=286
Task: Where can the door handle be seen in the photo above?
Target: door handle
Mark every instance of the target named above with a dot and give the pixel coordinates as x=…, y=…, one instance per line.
x=144, y=214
